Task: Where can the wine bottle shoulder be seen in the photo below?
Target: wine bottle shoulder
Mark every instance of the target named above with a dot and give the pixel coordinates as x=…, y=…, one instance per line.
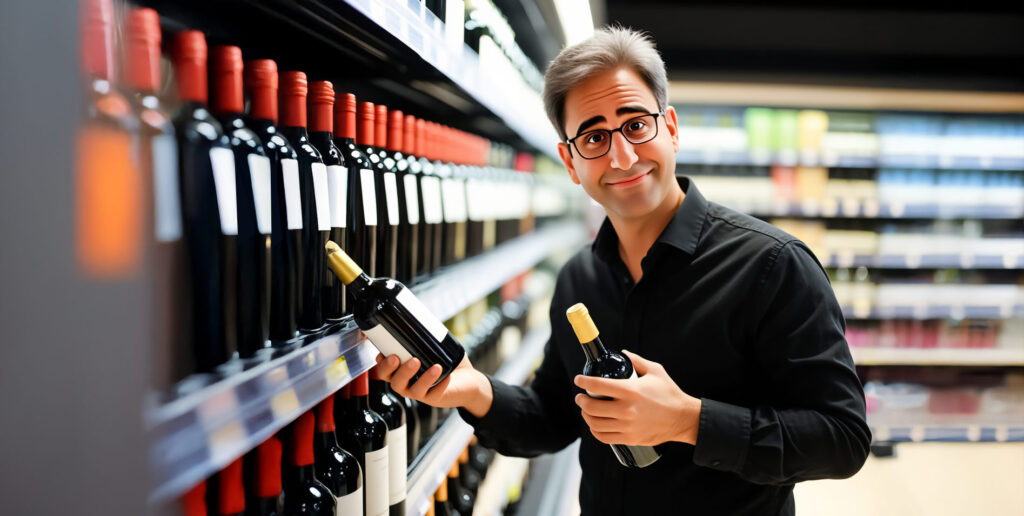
x=307, y=153
x=275, y=144
x=195, y=124
x=241, y=136
x=609, y=365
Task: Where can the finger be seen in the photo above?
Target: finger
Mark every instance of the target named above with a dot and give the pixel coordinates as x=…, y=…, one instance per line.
x=640, y=364
x=596, y=407
x=608, y=437
x=400, y=379
x=419, y=389
x=386, y=366
x=602, y=424
x=609, y=387
x=438, y=389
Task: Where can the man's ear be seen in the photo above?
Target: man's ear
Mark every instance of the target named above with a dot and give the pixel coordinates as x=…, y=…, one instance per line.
x=563, y=152
x=672, y=124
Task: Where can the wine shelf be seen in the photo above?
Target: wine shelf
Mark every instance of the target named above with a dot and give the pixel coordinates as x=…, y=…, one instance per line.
x=867, y=209
x=965, y=432
x=926, y=261
x=1003, y=357
x=928, y=311
x=718, y=157
x=454, y=434
x=199, y=433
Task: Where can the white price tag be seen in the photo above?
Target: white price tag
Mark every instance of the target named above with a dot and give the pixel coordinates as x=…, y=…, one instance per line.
x=223, y=165
x=391, y=197
x=369, y=192
x=412, y=200
x=337, y=187
x=166, y=196
x=259, y=173
x=292, y=195
x=432, y=205
x=323, y=202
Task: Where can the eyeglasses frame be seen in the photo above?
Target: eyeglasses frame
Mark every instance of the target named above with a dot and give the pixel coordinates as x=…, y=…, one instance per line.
x=571, y=142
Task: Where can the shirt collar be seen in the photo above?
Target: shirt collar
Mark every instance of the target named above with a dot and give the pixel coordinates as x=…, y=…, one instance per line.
x=682, y=232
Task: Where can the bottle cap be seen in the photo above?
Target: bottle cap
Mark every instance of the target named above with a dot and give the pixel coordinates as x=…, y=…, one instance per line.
x=321, y=102
x=190, y=65
x=261, y=79
x=409, y=135
x=341, y=263
x=230, y=493
x=268, y=459
x=294, y=89
x=302, y=440
x=395, y=122
x=95, y=20
x=365, y=128
x=325, y=415
x=194, y=500
x=345, y=116
x=380, y=127
x=143, y=50
x=227, y=80
x=361, y=385
x=582, y=324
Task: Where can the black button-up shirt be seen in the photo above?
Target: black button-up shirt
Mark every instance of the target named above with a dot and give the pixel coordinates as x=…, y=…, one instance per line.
x=742, y=316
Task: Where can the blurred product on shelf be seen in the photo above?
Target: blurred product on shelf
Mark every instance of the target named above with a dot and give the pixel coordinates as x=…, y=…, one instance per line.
x=263, y=478
x=336, y=468
x=387, y=404
x=303, y=493
x=363, y=433
x=227, y=494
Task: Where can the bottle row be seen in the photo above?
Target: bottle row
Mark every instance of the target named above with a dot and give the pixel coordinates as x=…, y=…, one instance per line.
x=937, y=334
x=227, y=204
x=862, y=298
x=943, y=397
x=817, y=191
x=346, y=456
x=761, y=136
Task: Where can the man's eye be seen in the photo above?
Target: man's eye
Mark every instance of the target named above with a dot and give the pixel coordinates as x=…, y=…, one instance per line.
x=594, y=138
x=636, y=125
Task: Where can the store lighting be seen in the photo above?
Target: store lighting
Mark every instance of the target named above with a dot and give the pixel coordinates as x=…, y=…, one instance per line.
x=576, y=19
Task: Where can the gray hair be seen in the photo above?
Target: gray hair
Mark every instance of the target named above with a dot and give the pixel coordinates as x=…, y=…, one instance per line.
x=609, y=48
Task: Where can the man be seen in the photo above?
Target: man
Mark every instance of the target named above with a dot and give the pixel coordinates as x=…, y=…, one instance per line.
x=746, y=384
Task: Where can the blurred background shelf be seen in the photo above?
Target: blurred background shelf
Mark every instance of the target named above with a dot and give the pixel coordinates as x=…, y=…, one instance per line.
x=926, y=261
x=928, y=311
x=965, y=432
x=868, y=356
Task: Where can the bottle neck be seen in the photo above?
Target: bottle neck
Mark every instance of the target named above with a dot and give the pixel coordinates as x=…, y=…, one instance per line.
x=264, y=104
x=360, y=284
x=300, y=476
x=324, y=442
x=594, y=349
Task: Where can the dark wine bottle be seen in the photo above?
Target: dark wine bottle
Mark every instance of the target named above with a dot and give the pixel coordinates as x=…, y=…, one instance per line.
x=253, y=189
x=394, y=319
x=388, y=209
x=206, y=167
x=441, y=504
x=604, y=363
x=262, y=470
x=303, y=493
x=286, y=201
x=227, y=496
x=321, y=126
x=433, y=206
x=364, y=434
x=386, y=404
x=193, y=502
x=362, y=229
x=470, y=477
x=336, y=468
x=316, y=217
x=460, y=499
x=408, y=199
x=157, y=159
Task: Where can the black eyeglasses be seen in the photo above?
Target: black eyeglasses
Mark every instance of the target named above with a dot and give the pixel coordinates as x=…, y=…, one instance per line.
x=597, y=143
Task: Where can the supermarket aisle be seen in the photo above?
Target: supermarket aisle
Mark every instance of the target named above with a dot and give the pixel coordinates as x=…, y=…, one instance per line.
x=934, y=479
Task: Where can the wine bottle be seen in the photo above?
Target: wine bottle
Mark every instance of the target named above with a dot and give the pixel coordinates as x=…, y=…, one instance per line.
x=286, y=203
x=408, y=199
x=253, y=189
x=386, y=404
x=362, y=230
x=441, y=505
x=461, y=499
x=364, y=434
x=470, y=477
x=228, y=495
x=394, y=320
x=603, y=363
x=433, y=206
x=193, y=502
x=262, y=470
x=303, y=493
x=388, y=210
x=336, y=468
x=321, y=126
x=157, y=160
x=206, y=167
x=480, y=458
x=316, y=217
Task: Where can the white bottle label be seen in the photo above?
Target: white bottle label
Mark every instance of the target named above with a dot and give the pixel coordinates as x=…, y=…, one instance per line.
x=391, y=196
x=432, y=213
x=412, y=200
x=223, y=164
x=376, y=482
x=323, y=202
x=369, y=197
x=396, y=464
x=337, y=186
x=386, y=344
x=451, y=201
x=292, y=195
x=422, y=313
x=351, y=503
x=166, y=196
x=259, y=173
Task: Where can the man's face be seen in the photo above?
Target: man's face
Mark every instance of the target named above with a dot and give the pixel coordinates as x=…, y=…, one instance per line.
x=630, y=181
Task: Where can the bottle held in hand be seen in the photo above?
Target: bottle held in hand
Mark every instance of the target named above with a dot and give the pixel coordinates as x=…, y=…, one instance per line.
x=394, y=320
x=604, y=363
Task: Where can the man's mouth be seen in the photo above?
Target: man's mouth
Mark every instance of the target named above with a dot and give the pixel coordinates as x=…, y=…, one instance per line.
x=630, y=181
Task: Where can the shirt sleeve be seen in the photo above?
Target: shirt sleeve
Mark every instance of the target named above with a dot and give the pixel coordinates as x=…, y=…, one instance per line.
x=812, y=423
x=528, y=421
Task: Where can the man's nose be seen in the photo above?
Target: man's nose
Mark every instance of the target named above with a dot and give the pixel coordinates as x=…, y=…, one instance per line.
x=622, y=154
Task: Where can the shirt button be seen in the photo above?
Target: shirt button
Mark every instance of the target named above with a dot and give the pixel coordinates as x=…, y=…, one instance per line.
x=716, y=463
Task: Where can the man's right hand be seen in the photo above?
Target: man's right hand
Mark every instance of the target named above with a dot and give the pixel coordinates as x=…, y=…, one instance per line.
x=464, y=387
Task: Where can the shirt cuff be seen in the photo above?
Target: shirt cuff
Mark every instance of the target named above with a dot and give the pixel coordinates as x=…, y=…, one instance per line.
x=501, y=414
x=723, y=436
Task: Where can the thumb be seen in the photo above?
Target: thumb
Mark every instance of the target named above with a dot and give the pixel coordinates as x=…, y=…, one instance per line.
x=640, y=364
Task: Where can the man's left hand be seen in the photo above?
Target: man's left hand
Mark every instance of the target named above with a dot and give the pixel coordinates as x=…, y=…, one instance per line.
x=643, y=411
